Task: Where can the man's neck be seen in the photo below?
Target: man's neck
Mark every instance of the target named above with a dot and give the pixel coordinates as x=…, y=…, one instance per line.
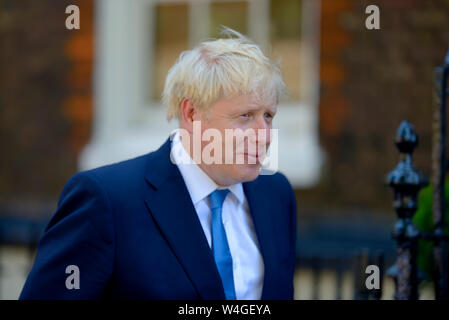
x=204, y=167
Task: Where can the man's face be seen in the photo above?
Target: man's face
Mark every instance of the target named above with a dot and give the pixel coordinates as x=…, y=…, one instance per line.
x=241, y=112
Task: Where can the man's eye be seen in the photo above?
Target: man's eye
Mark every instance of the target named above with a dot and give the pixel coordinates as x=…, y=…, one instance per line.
x=268, y=115
x=245, y=115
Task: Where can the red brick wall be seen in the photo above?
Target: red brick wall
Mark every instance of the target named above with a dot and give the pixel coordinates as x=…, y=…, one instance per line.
x=45, y=95
x=370, y=81
x=79, y=49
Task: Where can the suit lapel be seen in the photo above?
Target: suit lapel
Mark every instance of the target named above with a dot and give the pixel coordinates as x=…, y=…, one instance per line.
x=261, y=210
x=172, y=209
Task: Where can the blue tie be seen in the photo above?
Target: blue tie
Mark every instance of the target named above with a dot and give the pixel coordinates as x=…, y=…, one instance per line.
x=220, y=247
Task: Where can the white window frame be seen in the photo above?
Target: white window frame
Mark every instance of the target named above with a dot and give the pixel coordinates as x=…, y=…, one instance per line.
x=128, y=123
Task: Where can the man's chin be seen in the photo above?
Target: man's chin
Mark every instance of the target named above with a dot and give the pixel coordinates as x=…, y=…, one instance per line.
x=248, y=172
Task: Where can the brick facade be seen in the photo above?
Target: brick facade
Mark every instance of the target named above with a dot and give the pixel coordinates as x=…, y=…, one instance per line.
x=370, y=81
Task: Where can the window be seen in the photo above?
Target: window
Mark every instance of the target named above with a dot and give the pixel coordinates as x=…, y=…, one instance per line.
x=171, y=38
x=285, y=38
x=177, y=29
x=230, y=14
x=138, y=41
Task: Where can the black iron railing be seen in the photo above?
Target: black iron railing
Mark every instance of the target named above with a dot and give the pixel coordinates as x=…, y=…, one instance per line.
x=439, y=166
x=406, y=182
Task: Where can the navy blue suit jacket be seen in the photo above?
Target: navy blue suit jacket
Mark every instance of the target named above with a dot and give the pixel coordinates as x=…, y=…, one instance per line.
x=133, y=232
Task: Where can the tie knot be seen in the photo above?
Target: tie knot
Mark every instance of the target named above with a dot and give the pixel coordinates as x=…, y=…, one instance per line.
x=217, y=198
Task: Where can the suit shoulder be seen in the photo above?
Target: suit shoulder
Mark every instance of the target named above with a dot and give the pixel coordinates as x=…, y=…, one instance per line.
x=111, y=178
x=127, y=167
x=276, y=180
x=275, y=184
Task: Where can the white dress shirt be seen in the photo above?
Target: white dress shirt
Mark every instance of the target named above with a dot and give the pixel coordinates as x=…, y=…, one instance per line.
x=248, y=267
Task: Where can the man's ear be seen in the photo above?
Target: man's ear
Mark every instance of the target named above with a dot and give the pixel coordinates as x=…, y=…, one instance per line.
x=189, y=113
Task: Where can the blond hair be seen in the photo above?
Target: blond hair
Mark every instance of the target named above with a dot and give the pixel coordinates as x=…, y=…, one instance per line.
x=219, y=69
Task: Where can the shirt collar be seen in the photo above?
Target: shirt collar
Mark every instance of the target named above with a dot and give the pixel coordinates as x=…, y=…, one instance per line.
x=198, y=183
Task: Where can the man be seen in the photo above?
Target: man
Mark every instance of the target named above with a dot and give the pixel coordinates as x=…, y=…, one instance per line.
x=181, y=222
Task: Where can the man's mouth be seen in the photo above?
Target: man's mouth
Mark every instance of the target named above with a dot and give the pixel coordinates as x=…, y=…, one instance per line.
x=252, y=158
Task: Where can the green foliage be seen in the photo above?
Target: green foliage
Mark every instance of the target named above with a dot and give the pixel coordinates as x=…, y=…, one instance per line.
x=424, y=221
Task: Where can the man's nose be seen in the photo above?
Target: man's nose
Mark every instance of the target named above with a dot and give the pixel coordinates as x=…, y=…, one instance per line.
x=262, y=130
